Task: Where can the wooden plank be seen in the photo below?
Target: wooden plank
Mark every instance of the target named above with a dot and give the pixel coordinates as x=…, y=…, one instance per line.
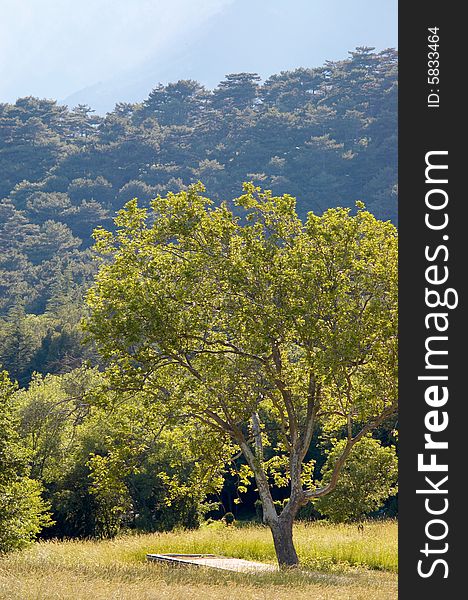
x=224, y=563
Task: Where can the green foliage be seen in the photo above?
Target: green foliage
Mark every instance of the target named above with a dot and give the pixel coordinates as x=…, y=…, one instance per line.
x=13, y=458
x=23, y=512
x=113, y=500
x=368, y=478
x=43, y=343
x=220, y=290
x=111, y=464
x=252, y=322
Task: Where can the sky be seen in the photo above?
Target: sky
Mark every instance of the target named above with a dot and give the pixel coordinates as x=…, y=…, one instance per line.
x=103, y=51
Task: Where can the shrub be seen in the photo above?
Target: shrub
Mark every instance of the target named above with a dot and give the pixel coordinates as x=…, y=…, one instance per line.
x=23, y=514
x=368, y=478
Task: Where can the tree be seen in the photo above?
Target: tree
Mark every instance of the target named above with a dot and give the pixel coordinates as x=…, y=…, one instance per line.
x=238, y=90
x=292, y=89
x=111, y=464
x=367, y=479
x=23, y=513
x=175, y=103
x=261, y=326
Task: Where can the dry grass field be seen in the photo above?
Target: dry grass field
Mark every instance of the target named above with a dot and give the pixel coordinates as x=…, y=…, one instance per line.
x=339, y=562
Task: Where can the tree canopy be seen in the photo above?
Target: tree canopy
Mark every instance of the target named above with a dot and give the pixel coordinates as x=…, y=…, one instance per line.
x=259, y=325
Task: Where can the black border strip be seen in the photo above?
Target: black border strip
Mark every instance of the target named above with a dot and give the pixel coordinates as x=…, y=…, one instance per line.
x=432, y=127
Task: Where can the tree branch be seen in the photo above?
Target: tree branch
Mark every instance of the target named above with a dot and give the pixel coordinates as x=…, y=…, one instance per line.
x=257, y=433
x=285, y=393
x=313, y=405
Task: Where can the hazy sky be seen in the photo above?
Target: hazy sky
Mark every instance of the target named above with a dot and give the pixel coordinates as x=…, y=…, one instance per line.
x=54, y=48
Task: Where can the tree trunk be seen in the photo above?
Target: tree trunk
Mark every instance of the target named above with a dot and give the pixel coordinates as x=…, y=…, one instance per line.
x=280, y=525
x=282, y=532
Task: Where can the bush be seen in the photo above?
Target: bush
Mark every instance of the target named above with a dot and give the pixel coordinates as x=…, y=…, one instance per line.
x=368, y=478
x=23, y=514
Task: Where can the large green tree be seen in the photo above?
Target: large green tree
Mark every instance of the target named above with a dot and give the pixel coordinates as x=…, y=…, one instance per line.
x=264, y=327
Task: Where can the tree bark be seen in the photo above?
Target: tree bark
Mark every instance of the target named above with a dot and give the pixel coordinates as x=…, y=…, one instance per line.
x=282, y=531
x=281, y=525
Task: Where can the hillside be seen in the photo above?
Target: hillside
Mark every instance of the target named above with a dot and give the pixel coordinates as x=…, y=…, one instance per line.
x=326, y=135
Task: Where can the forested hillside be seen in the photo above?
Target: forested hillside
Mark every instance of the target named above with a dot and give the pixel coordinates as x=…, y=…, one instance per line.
x=326, y=135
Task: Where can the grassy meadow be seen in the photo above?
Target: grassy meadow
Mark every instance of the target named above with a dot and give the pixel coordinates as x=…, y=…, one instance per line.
x=338, y=562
